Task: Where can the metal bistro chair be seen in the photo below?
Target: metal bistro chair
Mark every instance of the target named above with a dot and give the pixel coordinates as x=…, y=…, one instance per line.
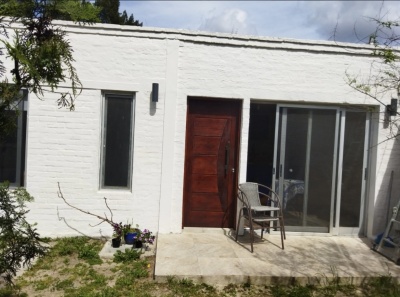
x=262, y=215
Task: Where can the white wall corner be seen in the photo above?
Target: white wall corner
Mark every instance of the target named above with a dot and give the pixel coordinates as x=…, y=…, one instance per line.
x=170, y=104
x=244, y=142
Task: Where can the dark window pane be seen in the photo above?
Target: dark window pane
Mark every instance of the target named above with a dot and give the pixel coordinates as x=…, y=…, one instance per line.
x=352, y=174
x=23, y=148
x=118, y=141
x=260, y=156
x=8, y=156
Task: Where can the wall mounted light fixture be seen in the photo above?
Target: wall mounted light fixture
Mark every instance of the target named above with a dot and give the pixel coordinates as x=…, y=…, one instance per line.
x=154, y=93
x=391, y=109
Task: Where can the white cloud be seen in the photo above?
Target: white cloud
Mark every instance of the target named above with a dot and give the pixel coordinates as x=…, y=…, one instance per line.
x=348, y=20
x=287, y=19
x=231, y=20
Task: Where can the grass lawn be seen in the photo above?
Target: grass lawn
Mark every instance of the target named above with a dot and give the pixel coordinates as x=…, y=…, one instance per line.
x=73, y=268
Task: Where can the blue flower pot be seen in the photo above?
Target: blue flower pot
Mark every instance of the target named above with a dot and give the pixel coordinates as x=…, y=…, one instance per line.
x=130, y=238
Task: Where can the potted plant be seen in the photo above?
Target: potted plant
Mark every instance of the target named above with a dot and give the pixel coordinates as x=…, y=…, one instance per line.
x=116, y=239
x=144, y=237
x=130, y=233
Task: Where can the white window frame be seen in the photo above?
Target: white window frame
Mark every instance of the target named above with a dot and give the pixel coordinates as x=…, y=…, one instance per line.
x=105, y=96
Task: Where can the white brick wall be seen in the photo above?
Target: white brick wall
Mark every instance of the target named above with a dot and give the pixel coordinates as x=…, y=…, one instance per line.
x=65, y=146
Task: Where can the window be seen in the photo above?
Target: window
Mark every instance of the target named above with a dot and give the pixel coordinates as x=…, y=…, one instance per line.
x=117, y=146
x=12, y=149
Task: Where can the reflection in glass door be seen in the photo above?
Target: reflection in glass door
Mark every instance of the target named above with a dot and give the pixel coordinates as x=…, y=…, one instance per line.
x=307, y=163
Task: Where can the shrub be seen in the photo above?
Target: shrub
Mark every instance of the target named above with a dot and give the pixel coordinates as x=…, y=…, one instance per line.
x=19, y=241
x=127, y=256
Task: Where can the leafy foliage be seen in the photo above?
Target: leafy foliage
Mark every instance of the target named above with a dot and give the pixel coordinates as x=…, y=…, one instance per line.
x=85, y=248
x=90, y=254
x=383, y=80
x=385, y=71
x=40, y=51
x=11, y=292
x=110, y=13
x=19, y=241
x=73, y=10
x=127, y=256
x=8, y=108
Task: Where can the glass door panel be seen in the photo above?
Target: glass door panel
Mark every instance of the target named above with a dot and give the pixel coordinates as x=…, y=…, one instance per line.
x=307, y=161
x=352, y=169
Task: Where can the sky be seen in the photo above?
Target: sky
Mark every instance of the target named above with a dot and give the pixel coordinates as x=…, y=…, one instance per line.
x=348, y=21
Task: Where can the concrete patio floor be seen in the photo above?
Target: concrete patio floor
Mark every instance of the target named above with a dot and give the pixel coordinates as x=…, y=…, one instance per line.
x=212, y=256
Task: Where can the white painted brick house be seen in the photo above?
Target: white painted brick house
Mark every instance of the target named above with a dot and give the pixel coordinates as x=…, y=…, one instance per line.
x=230, y=109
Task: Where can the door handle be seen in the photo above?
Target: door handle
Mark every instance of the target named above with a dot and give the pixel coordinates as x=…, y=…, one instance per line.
x=227, y=152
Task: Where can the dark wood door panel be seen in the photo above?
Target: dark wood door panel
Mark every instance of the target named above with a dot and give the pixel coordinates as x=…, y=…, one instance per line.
x=205, y=145
x=207, y=126
x=204, y=183
x=204, y=165
x=203, y=218
x=206, y=202
x=211, y=153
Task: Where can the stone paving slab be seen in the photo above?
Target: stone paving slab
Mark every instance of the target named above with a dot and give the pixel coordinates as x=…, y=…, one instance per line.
x=212, y=256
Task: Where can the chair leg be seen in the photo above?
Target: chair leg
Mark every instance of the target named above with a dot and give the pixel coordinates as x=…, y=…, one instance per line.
x=238, y=224
x=283, y=227
x=251, y=235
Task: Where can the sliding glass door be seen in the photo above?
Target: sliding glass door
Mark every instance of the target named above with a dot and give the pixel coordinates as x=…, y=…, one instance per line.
x=320, y=165
x=307, y=159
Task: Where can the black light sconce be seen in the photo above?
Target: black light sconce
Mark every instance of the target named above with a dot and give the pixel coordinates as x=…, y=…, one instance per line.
x=154, y=93
x=391, y=109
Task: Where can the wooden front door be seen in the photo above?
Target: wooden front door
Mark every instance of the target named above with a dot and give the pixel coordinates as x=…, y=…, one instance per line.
x=212, y=141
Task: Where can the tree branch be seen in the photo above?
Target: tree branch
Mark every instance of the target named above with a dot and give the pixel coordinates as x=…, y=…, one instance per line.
x=103, y=219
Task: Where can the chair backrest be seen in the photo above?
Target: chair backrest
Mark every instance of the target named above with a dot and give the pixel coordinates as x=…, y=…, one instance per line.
x=250, y=190
x=253, y=191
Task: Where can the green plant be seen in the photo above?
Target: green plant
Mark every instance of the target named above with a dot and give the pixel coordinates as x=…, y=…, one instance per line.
x=11, y=292
x=64, y=284
x=85, y=248
x=19, y=241
x=130, y=273
x=146, y=236
x=383, y=286
x=44, y=283
x=294, y=290
x=127, y=228
x=127, y=256
x=117, y=230
x=90, y=254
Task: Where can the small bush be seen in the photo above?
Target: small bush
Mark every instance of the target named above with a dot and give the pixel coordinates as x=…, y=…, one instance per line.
x=127, y=256
x=89, y=254
x=19, y=241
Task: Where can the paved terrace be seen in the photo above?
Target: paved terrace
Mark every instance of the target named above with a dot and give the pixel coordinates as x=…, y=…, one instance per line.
x=212, y=256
